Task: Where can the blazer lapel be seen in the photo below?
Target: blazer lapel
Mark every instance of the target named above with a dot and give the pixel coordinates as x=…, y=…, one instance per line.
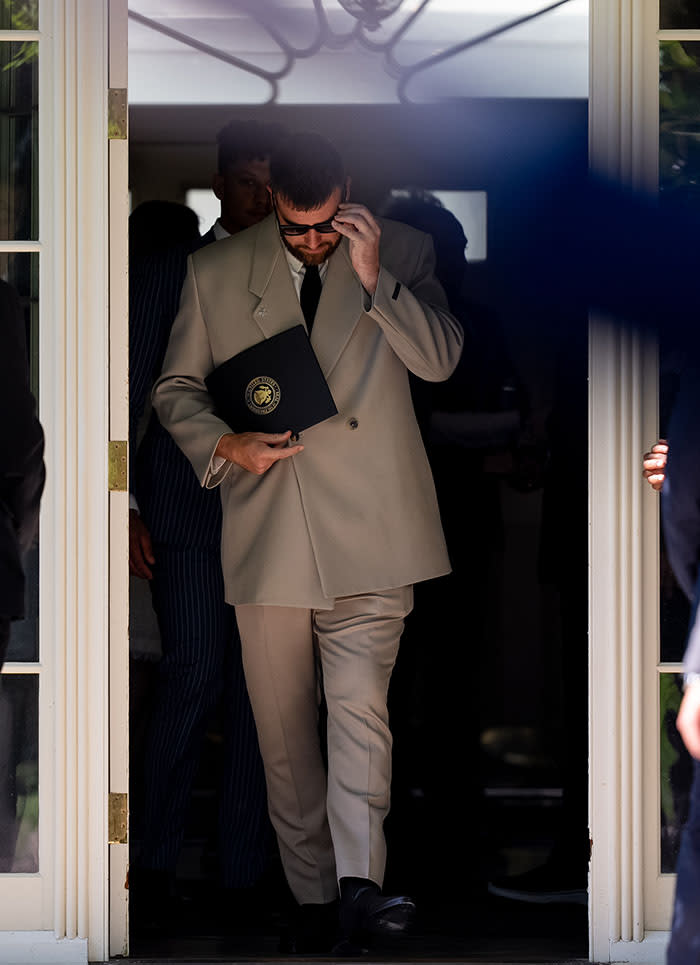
x=339, y=309
x=271, y=280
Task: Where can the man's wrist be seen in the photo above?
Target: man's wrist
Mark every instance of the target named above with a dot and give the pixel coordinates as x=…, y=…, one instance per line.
x=224, y=448
x=226, y=454
x=369, y=283
x=690, y=679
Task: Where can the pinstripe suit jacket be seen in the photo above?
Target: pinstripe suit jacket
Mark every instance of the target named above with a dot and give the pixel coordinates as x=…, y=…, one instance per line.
x=173, y=505
x=356, y=511
x=680, y=500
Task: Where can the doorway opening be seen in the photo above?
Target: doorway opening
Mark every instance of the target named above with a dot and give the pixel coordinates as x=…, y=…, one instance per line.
x=488, y=699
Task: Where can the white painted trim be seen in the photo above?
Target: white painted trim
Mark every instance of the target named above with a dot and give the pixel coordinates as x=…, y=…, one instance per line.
x=604, y=776
x=679, y=35
x=20, y=36
x=650, y=951
x=69, y=895
x=68, y=899
x=20, y=245
x=118, y=502
x=89, y=289
x=623, y=383
x=13, y=667
x=41, y=948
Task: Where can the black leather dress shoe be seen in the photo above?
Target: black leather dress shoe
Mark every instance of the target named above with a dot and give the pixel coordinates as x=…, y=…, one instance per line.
x=367, y=914
x=312, y=931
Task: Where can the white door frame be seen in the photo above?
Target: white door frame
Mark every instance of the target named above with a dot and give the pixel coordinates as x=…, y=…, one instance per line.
x=630, y=901
x=75, y=409
x=119, y=500
x=61, y=914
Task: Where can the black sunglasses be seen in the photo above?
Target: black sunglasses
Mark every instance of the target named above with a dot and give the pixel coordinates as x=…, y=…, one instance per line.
x=295, y=230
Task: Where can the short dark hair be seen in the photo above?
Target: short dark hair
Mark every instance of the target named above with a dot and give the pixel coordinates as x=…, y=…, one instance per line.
x=246, y=140
x=305, y=170
x=156, y=225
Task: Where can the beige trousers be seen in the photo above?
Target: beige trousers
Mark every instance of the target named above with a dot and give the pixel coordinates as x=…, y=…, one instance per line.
x=327, y=827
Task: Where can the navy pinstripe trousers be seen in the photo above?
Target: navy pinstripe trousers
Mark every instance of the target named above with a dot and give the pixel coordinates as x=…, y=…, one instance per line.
x=201, y=660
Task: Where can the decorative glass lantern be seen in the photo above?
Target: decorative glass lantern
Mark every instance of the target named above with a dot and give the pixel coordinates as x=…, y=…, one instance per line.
x=370, y=12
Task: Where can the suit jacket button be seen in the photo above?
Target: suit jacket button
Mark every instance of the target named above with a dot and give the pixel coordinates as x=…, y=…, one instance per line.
x=353, y=423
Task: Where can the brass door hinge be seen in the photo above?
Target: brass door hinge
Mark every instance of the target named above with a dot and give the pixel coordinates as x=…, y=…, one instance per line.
x=118, y=818
x=116, y=113
x=117, y=466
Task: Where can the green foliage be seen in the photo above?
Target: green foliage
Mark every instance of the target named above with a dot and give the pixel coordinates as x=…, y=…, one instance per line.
x=679, y=120
x=26, y=53
x=19, y=15
x=670, y=695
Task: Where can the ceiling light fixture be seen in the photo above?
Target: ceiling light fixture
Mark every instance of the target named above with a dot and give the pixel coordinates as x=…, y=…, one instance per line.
x=370, y=12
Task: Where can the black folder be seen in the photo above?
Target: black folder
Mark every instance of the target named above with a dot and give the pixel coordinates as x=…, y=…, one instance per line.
x=272, y=386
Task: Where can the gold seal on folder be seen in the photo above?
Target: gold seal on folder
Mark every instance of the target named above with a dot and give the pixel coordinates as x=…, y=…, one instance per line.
x=262, y=395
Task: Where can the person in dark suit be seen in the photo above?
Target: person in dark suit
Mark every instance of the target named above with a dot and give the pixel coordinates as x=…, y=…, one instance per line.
x=174, y=536
x=22, y=471
x=155, y=226
x=681, y=524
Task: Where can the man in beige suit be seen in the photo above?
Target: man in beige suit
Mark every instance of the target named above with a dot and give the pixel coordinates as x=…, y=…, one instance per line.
x=322, y=538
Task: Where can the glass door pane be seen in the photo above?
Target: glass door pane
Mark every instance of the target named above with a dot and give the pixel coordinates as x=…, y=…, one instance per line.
x=676, y=771
x=19, y=773
x=679, y=121
x=18, y=140
x=679, y=183
x=679, y=14
x=19, y=691
x=21, y=270
x=19, y=15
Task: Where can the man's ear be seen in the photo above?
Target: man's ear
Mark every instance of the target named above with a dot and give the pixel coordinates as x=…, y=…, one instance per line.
x=217, y=185
x=348, y=182
x=269, y=190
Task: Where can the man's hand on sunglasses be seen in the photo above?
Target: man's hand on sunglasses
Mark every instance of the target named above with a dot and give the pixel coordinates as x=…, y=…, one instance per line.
x=359, y=227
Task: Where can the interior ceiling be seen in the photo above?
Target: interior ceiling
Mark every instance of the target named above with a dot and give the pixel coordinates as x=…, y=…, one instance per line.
x=544, y=57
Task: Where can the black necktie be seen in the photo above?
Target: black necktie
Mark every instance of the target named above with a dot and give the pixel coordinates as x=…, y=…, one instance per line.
x=310, y=294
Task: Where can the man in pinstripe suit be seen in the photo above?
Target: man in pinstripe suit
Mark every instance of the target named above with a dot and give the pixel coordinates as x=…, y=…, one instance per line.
x=175, y=536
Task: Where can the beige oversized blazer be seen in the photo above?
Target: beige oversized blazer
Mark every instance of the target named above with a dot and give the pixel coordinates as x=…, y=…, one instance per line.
x=355, y=511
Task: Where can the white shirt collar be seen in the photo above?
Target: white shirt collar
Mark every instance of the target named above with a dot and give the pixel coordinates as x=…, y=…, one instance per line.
x=219, y=231
x=298, y=268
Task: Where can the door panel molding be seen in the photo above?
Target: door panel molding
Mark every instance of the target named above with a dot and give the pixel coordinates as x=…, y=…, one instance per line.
x=75, y=413
x=629, y=909
x=65, y=916
x=118, y=501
